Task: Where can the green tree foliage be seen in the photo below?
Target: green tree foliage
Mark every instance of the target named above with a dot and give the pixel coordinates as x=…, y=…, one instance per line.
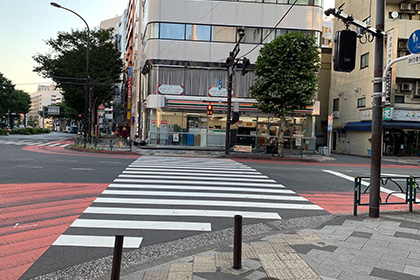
x=15, y=101
x=286, y=71
x=287, y=79
x=67, y=58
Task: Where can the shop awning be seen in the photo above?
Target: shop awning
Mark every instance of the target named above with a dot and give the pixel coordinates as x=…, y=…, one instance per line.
x=367, y=126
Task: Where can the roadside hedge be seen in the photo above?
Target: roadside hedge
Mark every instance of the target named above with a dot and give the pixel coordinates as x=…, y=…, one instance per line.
x=25, y=131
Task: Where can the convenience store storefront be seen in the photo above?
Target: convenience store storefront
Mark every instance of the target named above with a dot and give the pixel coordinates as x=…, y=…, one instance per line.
x=183, y=121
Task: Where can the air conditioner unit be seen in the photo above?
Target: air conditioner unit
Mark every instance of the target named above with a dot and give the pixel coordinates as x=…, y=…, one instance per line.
x=416, y=92
x=406, y=86
x=336, y=114
x=405, y=6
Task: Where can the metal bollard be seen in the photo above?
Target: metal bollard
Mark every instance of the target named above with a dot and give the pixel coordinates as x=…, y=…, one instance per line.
x=237, y=243
x=116, y=261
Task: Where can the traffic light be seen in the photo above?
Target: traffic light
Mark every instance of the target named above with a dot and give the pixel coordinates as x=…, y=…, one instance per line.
x=209, y=109
x=80, y=115
x=245, y=64
x=344, y=50
x=235, y=118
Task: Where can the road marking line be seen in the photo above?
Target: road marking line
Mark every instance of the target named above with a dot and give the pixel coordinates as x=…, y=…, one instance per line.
x=44, y=144
x=201, y=194
x=124, y=224
x=192, y=171
x=208, y=203
x=382, y=189
x=195, y=178
x=96, y=241
x=194, y=174
x=192, y=166
x=210, y=188
x=81, y=169
x=189, y=182
x=181, y=212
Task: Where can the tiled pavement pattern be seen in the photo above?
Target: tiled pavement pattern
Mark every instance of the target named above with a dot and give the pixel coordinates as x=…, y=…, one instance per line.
x=273, y=257
x=346, y=247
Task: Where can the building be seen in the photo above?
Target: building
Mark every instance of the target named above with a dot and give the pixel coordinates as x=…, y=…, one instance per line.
x=350, y=101
x=44, y=96
x=182, y=62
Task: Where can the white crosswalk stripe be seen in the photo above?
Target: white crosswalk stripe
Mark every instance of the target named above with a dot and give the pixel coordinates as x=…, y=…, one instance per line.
x=31, y=143
x=182, y=194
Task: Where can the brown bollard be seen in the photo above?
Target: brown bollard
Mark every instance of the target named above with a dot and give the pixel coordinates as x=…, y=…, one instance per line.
x=116, y=261
x=237, y=243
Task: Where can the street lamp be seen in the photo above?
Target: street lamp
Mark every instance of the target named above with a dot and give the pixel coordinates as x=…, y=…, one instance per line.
x=86, y=124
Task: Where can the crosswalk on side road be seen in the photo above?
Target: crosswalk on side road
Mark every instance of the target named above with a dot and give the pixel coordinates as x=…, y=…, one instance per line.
x=34, y=143
x=175, y=194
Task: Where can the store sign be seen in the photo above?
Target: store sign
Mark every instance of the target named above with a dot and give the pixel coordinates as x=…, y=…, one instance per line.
x=241, y=148
x=154, y=121
x=163, y=122
x=171, y=89
x=298, y=141
x=129, y=82
x=406, y=115
x=387, y=114
x=216, y=92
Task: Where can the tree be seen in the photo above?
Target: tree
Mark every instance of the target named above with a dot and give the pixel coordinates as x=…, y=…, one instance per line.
x=286, y=71
x=12, y=100
x=67, y=58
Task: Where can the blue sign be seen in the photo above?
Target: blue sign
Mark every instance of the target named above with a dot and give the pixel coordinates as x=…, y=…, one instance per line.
x=220, y=84
x=414, y=42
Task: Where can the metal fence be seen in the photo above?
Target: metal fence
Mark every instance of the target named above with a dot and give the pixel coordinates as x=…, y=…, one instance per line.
x=111, y=144
x=393, y=191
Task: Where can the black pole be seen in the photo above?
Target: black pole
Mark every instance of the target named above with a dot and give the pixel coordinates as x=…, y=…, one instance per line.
x=237, y=243
x=229, y=109
x=375, y=160
x=116, y=261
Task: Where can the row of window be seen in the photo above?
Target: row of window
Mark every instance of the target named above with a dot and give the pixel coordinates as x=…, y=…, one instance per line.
x=361, y=102
x=298, y=2
x=216, y=33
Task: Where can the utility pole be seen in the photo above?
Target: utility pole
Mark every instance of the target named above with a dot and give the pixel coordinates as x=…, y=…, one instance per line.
x=376, y=151
x=231, y=64
x=375, y=161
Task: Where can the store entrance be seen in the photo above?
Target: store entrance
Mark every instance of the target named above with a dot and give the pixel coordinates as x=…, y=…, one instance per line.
x=398, y=142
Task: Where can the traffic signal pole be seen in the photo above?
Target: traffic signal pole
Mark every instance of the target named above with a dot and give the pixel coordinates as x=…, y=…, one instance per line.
x=376, y=148
x=376, y=151
x=231, y=64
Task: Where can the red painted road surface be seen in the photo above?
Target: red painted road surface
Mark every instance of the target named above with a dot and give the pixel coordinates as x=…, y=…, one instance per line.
x=33, y=216
x=342, y=202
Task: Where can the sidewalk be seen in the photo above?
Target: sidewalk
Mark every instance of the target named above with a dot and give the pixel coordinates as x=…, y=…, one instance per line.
x=343, y=247
x=322, y=247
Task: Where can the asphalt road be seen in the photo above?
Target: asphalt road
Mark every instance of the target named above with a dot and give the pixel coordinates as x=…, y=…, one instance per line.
x=84, y=177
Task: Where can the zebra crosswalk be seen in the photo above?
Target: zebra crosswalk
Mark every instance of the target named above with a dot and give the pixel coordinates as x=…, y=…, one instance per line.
x=33, y=143
x=179, y=195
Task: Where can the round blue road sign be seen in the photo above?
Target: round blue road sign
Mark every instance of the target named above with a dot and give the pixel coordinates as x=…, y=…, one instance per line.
x=414, y=42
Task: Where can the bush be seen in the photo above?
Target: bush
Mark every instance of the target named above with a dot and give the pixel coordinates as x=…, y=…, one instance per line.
x=24, y=131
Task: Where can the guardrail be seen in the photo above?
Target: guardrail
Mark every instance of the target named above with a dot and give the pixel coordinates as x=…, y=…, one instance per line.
x=95, y=143
x=391, y=186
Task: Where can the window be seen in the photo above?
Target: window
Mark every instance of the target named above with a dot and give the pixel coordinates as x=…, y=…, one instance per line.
x=270, y=36
x=399, y=98
x=361, y=102
x=252, y=35
x=153, y=30
x=336, y=103
x=198, y=32
x=224, y=34
x=364, y=60
x=172, y=31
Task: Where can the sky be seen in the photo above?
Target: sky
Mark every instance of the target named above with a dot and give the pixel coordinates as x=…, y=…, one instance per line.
x=27, y=24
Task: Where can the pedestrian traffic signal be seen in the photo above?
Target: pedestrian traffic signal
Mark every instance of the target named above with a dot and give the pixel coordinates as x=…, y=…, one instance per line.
x=209, y=109
x=344, y=50
x=245, y=64
x=80, y=115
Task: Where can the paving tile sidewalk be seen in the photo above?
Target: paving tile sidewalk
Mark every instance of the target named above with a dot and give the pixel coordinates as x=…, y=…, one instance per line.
x=345, y=247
